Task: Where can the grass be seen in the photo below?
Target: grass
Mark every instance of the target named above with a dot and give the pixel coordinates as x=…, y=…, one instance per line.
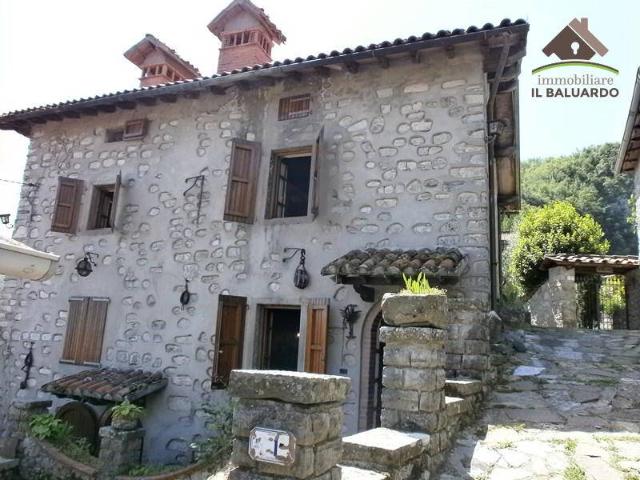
x=518, y=427
x=631, y=476
x=504, y=444
x=574, y=472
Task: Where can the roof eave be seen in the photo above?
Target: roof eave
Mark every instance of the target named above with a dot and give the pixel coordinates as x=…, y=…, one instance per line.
x=634, y=110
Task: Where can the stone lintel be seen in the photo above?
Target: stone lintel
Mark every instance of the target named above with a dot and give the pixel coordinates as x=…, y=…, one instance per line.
x=413, y=336
x=289, y=387
x=384, y=446
x=463, y=387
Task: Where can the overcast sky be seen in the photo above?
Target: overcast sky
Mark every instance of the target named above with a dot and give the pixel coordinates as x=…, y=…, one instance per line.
x=52, y=51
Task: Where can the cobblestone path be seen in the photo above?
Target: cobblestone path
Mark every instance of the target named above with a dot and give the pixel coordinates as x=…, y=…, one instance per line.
x=574, y=416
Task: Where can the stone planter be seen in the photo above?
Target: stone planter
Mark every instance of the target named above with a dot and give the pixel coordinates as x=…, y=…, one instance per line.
x=415, y=310
x=119, y=423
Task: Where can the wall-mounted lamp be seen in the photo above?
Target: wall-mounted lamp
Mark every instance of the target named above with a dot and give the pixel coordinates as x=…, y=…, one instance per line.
x=85, y=266
x=300, y=277
x=5, y=218
x=185, y=296
x=350, y=315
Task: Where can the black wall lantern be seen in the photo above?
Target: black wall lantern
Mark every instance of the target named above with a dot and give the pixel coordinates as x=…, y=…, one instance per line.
x=5, y=218
x=301, y=276
x=350, y=315
x=185, y=296
x=85, y=266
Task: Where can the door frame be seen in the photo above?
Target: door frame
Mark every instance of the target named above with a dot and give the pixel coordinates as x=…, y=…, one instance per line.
x=365, y=362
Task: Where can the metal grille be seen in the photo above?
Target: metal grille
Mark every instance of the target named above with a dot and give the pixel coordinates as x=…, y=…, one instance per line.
x=601, y=302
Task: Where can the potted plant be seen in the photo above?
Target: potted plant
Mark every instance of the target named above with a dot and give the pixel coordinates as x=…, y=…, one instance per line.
x=126, y=415
x=418, y=304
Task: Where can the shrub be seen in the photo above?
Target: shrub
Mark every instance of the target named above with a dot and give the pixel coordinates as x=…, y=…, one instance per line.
x=127, y=411
x=553, y=228
x=47, y=427
x=419, y=286
x=215, y=451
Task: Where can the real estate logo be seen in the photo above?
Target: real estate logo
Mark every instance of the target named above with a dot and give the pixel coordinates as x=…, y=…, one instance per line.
x=575, y=46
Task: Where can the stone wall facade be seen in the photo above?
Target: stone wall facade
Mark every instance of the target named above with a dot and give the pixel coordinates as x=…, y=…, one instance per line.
x=554, y=304
x=404, y=166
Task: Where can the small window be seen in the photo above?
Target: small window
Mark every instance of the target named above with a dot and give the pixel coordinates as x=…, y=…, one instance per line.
x=85, y=330
x=294, y=107
x=291, y=174
x=114, y=135
x=134, y=129
x=102, y=213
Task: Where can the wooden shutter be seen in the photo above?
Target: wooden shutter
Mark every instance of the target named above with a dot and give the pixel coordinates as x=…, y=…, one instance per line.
x=65, y=214
x=229, y=337
x=114, y=204
x=94, y=324
x=242, y=183
x=314, y=194
x=75, y=329
x=315, y=355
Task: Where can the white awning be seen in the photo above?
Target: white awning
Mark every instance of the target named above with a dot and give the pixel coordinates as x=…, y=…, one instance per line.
x=21, y=261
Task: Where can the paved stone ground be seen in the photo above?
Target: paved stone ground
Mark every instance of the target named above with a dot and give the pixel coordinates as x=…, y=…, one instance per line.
x=577, y=419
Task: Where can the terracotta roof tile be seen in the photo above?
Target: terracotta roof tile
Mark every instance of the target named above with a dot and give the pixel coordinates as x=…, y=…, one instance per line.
x=107, y=384
x=385, y=263
x=626, y=262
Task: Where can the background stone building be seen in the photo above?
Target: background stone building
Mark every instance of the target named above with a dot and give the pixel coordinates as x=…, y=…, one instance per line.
x=406, y=145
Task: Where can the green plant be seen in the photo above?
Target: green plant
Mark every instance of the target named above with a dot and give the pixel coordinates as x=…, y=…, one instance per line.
x=150, y=470
x=79, y=449
x=127, y=411
x=419, y=286
x=574, y=472
x=215, y=451
x=554, y=228
x=47, y=427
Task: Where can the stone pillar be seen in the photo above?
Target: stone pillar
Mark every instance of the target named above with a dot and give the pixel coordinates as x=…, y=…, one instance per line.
x=18, y=418
x=307, y=407
x=120, y=449
x=413, y=379
x=632, y=287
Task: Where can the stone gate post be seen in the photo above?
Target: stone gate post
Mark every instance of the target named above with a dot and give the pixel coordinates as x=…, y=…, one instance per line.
x=287, y=424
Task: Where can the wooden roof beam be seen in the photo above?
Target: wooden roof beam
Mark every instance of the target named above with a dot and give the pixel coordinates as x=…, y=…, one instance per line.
x=383, y=61
x=352, y=66
x=323, y=71
x=217, y=90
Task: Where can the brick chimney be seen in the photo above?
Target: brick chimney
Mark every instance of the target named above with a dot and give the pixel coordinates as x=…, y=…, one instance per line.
x=247, y=35
x=159, y=63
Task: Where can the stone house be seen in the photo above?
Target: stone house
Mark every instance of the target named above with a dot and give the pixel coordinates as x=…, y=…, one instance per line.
x=285, y=197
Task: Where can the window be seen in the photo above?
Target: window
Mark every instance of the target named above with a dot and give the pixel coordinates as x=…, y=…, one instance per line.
x=293, y=179
x=242, y=181
x=67, y=208
x=294, y=107
x=85, y=330
x=132, y=130
x=315, y=357
x=229, y=337
x=104, y=204
x=280, y=338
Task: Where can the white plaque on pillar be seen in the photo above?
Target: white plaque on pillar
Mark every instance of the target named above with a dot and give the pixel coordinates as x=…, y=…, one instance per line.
x=272, y=446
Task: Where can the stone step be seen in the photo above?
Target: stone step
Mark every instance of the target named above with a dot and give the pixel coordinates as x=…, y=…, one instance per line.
x=7, y=464
x=457, y=405
x=462, y=387
x=383, y=449
x=355, y=473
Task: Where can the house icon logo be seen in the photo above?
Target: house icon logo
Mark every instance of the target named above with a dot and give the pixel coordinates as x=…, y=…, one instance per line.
x=575, y=46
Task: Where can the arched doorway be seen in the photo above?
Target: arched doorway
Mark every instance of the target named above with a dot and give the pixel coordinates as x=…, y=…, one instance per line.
x=371, y=371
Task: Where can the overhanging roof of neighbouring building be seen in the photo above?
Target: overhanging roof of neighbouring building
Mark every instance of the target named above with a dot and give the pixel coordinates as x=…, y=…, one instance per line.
x=592, y=263
x=383, y=266
x=504, y=47
x=629, y=152
x=107, y=385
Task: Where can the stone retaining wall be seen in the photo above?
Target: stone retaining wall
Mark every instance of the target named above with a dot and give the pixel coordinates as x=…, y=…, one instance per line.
x=41, y=459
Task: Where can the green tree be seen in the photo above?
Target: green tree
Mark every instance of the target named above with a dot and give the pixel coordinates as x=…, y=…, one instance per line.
x=586, y=180
x=553, y=228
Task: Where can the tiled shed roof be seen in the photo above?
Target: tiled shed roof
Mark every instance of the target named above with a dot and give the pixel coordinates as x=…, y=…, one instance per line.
x=107, y=384
x=391, y=264
x=20, y=119
x=591, y=261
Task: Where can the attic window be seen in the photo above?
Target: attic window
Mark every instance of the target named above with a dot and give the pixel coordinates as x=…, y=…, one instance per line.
x=132, y=130
x=294, y=107
x=161, y=70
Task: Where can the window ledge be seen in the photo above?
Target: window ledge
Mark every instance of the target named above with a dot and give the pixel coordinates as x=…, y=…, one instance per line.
x=289, y=220
x=99, y=231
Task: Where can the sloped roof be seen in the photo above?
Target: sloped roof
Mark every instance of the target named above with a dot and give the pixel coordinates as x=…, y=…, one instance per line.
x=388, y=264
x=141, y=50
x=216, y=25
x=581, y=27
x=629, y=152
x=591, y=261
x=492, y=36
x=107, y=384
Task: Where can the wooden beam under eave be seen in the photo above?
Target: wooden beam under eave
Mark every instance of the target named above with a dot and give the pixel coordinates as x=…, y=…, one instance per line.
x=217, y=90
x=323, y=71
x=126, y=105
x=168, y=98
x=148, y=101
x=383, y=61
x=352, y=67
x=509, y=86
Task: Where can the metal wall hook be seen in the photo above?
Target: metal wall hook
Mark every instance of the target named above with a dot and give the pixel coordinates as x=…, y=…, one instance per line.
x=198, y=180
x=303, y=253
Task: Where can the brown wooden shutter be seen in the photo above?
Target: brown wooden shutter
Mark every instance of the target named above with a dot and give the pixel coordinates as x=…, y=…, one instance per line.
x=314, y=194
x=114, y=204
x=75, y=329
x=242, y=183
x=65, y=214
x=229, y=337
x=94, y=324
x=315, y=355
